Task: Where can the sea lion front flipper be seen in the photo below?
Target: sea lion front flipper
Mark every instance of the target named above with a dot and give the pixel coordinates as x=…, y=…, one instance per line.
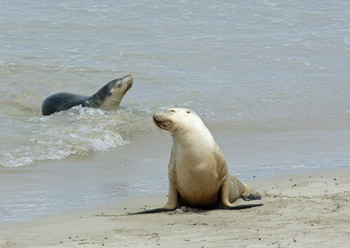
x=151, y=211
x=244, y=206
x=170, y=206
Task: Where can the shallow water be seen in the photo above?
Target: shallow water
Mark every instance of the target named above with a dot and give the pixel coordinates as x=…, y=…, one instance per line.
x=270, y=79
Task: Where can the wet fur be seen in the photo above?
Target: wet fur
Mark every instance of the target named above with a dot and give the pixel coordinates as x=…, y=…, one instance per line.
x=101, y=99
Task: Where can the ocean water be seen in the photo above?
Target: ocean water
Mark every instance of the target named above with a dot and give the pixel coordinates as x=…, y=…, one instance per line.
x=269, y=78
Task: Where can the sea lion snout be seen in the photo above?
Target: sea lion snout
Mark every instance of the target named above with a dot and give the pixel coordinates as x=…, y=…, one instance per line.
x=161, y=121
x=126, y=80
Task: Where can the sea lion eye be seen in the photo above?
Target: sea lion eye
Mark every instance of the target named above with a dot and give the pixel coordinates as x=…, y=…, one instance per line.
x=188, y=112
x=171, y=110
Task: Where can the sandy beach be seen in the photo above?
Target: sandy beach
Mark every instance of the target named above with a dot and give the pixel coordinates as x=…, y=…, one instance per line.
x=299, y=211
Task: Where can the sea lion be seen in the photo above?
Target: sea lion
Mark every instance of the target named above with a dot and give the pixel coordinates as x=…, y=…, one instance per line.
x=108, y=97
x=197, y=170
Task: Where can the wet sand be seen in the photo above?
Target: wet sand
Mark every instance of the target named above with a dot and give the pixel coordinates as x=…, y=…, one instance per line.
x=311, y=210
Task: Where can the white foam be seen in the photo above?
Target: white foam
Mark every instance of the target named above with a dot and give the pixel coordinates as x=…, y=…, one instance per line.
x=74, y=133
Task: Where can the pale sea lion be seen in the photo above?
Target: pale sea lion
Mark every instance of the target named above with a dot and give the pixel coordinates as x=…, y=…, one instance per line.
x=108, y=97
x=197, y=170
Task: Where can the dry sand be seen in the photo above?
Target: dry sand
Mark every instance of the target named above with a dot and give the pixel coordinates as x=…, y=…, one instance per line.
x=299, y=211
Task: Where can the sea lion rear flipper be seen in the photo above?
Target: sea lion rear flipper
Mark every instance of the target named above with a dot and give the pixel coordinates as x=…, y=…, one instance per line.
x=251, y=197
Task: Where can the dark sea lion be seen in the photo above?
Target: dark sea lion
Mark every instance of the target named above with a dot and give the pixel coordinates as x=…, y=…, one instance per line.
x=197, y=170
x=108, y=97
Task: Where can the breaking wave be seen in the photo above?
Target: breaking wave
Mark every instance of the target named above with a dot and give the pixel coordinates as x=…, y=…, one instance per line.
x=76, y=132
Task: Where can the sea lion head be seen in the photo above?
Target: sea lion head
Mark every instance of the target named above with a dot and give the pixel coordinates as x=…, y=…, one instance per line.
x=110, y=95
x=177, y=120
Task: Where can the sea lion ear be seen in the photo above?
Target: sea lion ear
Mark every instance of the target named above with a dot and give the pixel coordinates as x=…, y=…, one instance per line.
x=188, y=112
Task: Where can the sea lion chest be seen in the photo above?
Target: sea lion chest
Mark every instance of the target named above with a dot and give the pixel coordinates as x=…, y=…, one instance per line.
x=197, y=180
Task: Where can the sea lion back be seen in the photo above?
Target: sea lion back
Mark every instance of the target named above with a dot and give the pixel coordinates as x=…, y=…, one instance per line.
x=61, y=101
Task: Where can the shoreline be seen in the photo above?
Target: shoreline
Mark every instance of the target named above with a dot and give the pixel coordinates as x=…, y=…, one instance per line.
x=310, y=210
x=54, y=187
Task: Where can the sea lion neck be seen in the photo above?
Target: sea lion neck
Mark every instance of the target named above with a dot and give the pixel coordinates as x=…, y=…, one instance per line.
x=185, y=137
